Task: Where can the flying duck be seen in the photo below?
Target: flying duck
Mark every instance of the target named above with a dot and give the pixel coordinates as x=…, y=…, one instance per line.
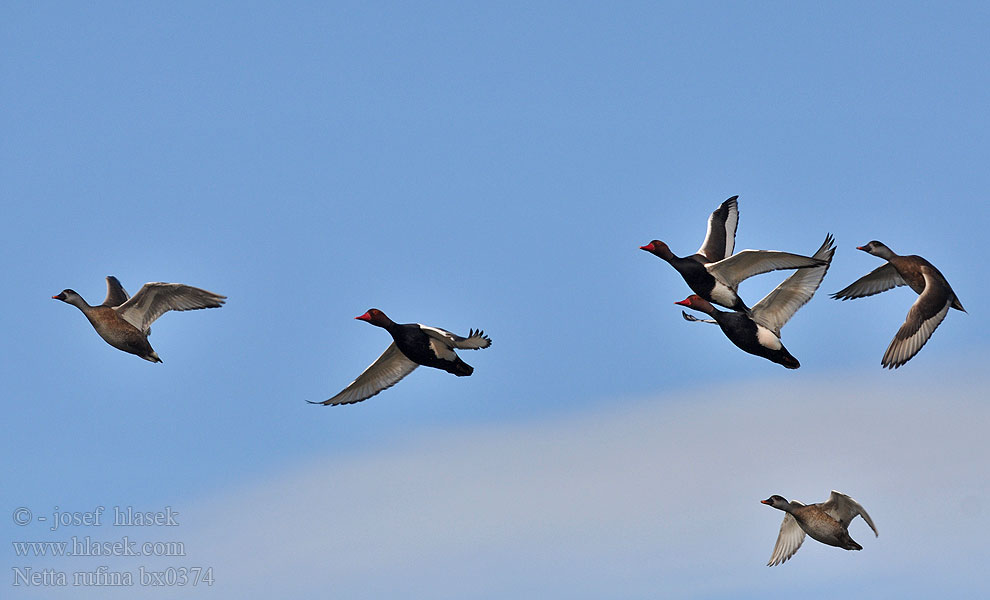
x=935, y=298
x=713, y=272
x=413, y=345
x=124, y=322
x=759, y=332
x=827, y=522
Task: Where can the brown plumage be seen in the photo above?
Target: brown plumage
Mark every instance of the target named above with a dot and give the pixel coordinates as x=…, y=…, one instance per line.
x=935, y=298
x=125, y=322
x=827, y=522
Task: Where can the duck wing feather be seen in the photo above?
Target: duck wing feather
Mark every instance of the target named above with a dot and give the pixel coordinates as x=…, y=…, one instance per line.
x=923, y=317
x=156, y=298
x=748, y=263
x=844, y=509
x=387, y=370
x=777, y=307
x=878, y=280
x=720, y=238
x=789, y=539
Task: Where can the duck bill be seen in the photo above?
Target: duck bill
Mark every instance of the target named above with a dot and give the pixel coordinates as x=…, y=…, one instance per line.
x=649, y=247
x=364, y=317
x=684, y=302
x=767, y=501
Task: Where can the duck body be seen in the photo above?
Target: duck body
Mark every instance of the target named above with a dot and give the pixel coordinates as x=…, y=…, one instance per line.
x=826, y=522
x=417, y=345
x=701, y=281
x=124, y=322
x=714, y=272
x=413, y=345
x=758, y=330
x=117, y=332
x=913, y=268
x=821, y=527
x=747, y=335
x=935, y=298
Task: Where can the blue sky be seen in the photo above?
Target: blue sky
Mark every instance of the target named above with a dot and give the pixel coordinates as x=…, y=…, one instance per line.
x=496, y=167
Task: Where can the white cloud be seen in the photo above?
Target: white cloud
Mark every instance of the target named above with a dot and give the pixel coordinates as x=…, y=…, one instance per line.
x=646, y=499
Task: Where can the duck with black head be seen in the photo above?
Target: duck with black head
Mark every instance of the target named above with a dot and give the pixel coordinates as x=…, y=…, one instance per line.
x=412, y=345
x=714, y=272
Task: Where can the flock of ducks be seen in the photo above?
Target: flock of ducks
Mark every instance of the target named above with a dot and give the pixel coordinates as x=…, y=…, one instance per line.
x=713, y=273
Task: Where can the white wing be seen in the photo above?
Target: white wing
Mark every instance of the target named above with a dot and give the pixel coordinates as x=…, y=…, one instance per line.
x=789, y=539
x=844, y=509
x=385, y=372
x=878, y=280
x=747, y=263
x=442, y=342
x=156, y=298
x=777, y=307
x=474, y=341
x=720, y=239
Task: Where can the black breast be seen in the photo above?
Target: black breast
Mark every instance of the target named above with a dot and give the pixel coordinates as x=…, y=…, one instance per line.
x=696, y=276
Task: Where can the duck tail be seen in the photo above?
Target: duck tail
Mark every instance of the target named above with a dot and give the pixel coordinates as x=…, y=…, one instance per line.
x=460, y=368
x=784, y=358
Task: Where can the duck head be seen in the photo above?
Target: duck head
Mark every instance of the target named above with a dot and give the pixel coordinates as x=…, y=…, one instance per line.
x=375, y=317
x=697, y=303
x=69, y=297
x=777, y=502
x=658, y=248
x=877, y=249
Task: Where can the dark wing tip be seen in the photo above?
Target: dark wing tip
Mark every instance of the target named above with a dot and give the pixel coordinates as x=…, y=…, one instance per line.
x=330, y=402
x=479, y=333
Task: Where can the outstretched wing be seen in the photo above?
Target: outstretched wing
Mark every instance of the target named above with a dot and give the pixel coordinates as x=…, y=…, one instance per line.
x=720, y=239
x=789, y=539
x=844, y=509
x=156, y=298
x=878, y=280
x=385, y=372
x=923, y=317
x=475, y=340
x=116, y=294
x=777, y=307
x=747, y=263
